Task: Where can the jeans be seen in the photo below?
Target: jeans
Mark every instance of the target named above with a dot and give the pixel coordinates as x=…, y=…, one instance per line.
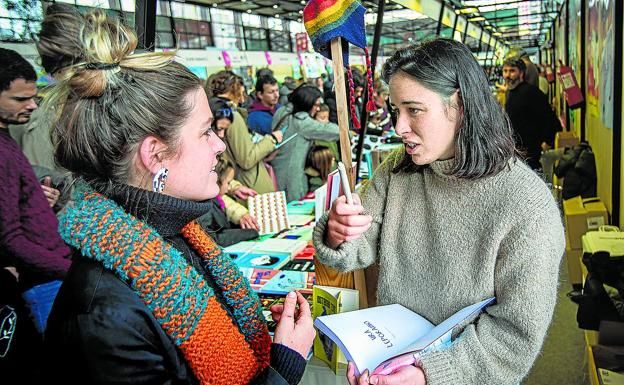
x=39, y=300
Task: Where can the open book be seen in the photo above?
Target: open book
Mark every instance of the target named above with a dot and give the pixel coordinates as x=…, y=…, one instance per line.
x=383, y=338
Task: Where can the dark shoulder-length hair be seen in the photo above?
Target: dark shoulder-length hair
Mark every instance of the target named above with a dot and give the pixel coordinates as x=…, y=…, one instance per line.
x=304, y=97
x=485, y=142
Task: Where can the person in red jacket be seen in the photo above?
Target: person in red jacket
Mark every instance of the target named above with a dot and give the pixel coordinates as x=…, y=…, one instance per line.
x=29, y=238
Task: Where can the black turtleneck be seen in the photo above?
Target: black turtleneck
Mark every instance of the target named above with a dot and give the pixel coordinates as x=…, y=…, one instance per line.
x=168, y=215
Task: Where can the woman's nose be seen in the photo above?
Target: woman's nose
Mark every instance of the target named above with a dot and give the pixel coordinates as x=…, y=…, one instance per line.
x=402, y=126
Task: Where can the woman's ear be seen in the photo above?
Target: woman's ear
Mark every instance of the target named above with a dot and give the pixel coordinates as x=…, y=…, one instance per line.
x=151, y=154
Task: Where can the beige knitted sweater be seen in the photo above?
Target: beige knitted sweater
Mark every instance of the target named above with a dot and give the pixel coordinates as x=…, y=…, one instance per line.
x=444, y=243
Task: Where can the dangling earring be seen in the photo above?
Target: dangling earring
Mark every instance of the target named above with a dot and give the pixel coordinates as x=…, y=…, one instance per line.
x=158, y=183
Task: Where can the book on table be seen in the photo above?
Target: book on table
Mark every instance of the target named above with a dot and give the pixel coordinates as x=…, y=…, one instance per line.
x=385, y=338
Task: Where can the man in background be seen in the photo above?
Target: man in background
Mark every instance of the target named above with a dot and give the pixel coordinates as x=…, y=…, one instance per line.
x=264, y=105
x=533, y=121
x=29, y=239
x=33, y=257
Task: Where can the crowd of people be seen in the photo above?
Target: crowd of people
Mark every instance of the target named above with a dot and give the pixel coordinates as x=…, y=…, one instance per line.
x=120, y=187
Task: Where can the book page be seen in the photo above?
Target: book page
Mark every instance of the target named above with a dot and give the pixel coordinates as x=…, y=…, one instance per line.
x=447, y=325
x=370, y=336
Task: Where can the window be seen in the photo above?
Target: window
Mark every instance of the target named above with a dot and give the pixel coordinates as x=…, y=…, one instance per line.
x=189, y=30
x=256, y=39
x=280, y=41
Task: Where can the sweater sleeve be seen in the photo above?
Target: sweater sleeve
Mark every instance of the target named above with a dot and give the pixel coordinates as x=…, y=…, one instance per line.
x=362, y=252
x=233, y=186
x=315, y=130
x=247, y=154
x=234, y=210
x=20, y=191
x=502, y=344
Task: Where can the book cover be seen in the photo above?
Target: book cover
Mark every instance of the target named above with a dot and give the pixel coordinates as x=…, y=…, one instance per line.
x=299, y=220
x=286, y=281
x=383, y=338
x=260, y=260
x=328, y=300
x=307, y=253
x=280, y=246
x=335, y=188
x=303, y=207
x=304, y=265
x=257, y=277
x=299, y=233
x=320, y=195
x=240, y=248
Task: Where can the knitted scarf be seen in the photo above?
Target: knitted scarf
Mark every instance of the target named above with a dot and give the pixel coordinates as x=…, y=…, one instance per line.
x=218, y=349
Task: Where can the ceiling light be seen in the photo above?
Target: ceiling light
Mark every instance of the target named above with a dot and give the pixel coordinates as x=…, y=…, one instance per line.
x=277, y=16
x=301, y=11
x=303, y=2
x=478, y=18
x=275, y=6
x=299, y=20
x=464, y=11
x=249, y=11
x=497, y=34
x=214, y=5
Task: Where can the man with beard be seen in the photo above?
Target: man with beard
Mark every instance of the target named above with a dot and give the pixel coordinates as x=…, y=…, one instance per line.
x=30, y=246
x=533, y=121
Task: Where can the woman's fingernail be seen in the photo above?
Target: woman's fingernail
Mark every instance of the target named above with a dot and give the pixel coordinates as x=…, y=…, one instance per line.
x=292, y=294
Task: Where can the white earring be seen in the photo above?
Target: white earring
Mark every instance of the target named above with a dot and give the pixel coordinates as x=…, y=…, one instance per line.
x=158, y=183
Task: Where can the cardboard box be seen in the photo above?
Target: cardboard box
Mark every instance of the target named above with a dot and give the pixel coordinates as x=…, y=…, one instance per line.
x=565, y=139
x=581, y=216
x=573, y=261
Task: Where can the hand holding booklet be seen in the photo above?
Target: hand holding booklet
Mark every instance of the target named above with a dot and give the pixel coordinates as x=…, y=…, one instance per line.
x=385, y=338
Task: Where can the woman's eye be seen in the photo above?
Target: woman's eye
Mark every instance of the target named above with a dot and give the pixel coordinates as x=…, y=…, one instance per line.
x=413, y=110
x=208, y=132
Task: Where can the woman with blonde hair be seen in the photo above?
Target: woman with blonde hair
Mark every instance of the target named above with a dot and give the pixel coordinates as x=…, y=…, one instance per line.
x=149, y=298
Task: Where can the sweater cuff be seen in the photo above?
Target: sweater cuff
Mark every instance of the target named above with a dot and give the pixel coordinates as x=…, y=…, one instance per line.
x=438, y=370
x=327, y=255
x=288, y=363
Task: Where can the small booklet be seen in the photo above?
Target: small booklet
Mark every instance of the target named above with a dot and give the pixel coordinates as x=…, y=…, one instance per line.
x=384, y=338
x=331, y=300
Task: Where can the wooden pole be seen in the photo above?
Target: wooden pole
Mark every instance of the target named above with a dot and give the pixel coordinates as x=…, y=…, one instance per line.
x=324, y=274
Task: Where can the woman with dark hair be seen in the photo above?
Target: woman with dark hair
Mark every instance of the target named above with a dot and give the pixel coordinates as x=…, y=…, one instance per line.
x=453, y=218
x=297, y=119
x=150, y=298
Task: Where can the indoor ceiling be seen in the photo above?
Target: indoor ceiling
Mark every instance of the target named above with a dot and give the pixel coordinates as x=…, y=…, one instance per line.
x=518, y=23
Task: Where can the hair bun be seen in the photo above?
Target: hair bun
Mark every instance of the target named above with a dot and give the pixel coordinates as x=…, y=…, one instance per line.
x=105, y=44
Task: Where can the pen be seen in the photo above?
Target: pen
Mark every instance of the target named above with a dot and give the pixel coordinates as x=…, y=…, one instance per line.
x=345, y=182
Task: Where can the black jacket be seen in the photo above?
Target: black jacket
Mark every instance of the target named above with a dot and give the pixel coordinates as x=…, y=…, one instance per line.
x=101, y=332
x=107, y=335
x=532, y=119
x=577, y=167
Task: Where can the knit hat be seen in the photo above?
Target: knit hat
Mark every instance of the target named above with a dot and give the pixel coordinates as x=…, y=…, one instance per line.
x=328, y=19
